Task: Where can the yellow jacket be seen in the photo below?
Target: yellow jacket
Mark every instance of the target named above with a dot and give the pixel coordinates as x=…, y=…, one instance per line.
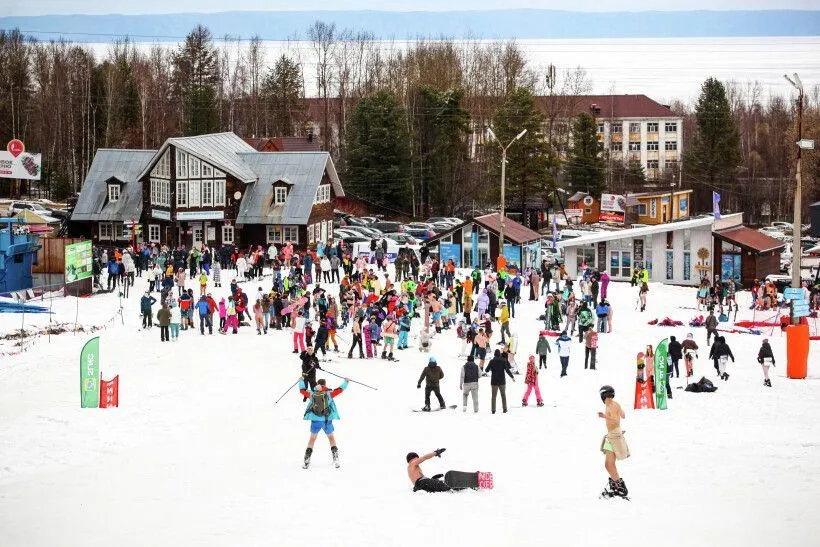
x=505, y=315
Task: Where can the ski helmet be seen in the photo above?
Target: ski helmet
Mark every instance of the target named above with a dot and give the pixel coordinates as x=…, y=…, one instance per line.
x=606, y=392
x=411, y=456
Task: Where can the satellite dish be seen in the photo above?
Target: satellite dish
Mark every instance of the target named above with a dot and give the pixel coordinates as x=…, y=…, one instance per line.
x=237, y=195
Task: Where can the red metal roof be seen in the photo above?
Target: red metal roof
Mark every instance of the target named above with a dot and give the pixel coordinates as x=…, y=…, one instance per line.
x=748, y=238
x=284, y=144
x=610, y=106
x=515, y=232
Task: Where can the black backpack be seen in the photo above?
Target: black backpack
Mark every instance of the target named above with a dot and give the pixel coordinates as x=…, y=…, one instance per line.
x=320, y=404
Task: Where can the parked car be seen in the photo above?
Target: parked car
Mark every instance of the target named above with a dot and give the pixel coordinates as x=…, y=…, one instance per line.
x=449, y=220
x=355, y=221
x=785, y=227
x=364, y=231
x=440, y=227
x=387, y=226
x=771, y=231
x=369, y=220
x=344, y=232
x=419, y=233
x=404, y=240
x=19, y=206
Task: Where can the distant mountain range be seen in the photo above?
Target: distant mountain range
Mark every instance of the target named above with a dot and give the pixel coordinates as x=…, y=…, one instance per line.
x=512, y=23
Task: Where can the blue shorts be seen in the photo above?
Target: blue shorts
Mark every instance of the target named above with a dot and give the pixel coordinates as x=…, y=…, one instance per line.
x=318, y=425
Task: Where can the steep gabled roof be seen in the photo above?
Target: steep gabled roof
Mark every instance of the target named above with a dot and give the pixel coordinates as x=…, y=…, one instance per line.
x=218, y=149
x=125, y=166
x=302, y=171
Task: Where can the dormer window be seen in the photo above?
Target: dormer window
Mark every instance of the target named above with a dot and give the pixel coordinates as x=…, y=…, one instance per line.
x=280, y=195
x=113, y=192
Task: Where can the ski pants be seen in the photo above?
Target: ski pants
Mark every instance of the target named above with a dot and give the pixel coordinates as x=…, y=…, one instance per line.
x=542, y=361
x=430, y=485
x=299, y=337
x=403, y=338
x=589, y=357
x=564, y=364
x=357, y=340
x=471, y=388
x=530, y=388
x=503, y=389
x=432, y=389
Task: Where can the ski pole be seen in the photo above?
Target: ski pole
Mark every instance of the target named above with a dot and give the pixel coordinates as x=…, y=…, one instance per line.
x=354, y=381
x=288, y=390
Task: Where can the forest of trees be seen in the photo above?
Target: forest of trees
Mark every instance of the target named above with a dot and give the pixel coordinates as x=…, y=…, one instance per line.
x=427, y=103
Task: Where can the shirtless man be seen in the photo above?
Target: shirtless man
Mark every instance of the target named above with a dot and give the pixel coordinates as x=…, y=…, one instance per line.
x=420, y=482
x=613, y=444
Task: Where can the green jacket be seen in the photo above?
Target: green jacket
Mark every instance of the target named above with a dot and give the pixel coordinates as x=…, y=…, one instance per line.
x=543, y=346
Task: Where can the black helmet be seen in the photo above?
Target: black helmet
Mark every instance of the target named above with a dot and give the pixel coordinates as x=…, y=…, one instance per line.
x=411, y=456
x=606, y=392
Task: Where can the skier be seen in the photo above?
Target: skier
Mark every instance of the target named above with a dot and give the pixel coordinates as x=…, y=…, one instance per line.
x=531, y=379
x=432, y=374
x=498, y=366
x=765, y=357
x=613, y=444
x=310, y=363
x=469, y=382
x=321, y=411
x=417, y=478
x=542, y=348
x=563, y=343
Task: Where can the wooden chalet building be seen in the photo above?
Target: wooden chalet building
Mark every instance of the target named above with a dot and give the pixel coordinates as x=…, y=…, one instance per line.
x=213, y=189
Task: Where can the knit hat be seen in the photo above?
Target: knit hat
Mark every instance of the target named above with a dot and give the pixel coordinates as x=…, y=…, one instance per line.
x=432, y=361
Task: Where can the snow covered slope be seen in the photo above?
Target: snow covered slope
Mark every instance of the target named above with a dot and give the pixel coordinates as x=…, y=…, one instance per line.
x=197, y=454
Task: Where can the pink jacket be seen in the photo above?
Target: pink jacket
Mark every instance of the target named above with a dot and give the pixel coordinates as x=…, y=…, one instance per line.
x=223, y=311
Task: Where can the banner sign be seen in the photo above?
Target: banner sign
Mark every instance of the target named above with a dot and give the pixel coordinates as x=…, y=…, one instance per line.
x=613, y=203
x=616, y=218
x=661, y=361
x=513, y=254
x=16, y=163
x=110, y=392
x=574, y=213
x=78, y=261
x=90, y=374
x=450, y=251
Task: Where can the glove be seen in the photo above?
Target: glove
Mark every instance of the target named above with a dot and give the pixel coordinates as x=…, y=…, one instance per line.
x=439, y=451
x=418, y=386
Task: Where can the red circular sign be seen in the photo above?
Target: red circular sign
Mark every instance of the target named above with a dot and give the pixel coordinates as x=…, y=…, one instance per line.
x=15, y=147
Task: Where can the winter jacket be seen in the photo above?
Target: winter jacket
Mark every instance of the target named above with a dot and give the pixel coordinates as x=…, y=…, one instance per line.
x=310, y=364
x=675, y=350
x=543, y=346
x=532, y=374
x=602, y=310
x=591, y=339
x=176, y=315
x=721, y=349
x=711, y=323
x=164, y=317
x=689, y=345
x=469, y=373
x=203, y=307
x=497, y=367
x=765, y=352
x=146, y=302
x=563, y=343
x=505, y=315
x=432, y=373
x=334, y=412
x=585, y=318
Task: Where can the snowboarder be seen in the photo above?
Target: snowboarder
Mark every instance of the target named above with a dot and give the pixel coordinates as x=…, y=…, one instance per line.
x=531, y=379
x=417, y=478
x=766, y=358
x=469, y=382
x=431, y=374
x=498, y=366
x=613, y=444
x=321, y=411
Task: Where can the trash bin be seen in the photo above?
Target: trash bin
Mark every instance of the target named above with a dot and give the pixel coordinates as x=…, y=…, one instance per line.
x=797, y=351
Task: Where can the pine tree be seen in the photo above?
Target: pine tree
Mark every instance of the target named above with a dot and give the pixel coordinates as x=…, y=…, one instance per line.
x=283, y=93
x=586, y=170
x=713, y=157
x=530, y=159
x=378, y=153
x=196, y=78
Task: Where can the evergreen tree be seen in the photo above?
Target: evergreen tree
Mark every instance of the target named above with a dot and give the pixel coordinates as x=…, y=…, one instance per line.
x=196, y=79
x=530, y=159
x=713, y=156
x=283, y=93
x=586, y=170
x=378, y=153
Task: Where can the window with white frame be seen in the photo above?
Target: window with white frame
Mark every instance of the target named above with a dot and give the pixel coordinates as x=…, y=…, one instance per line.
x=218, y=174
x=105, y=230
x=670, y=164
x=323, y=193
x=652, y=127
x=165, y=194
x=153, y=233
x=193, y=167
x=182, y=193
x=182, y=164
x=634, y=127
x=671, y=127
x=113, y=192
x=671, y=145
x=154, y=192
x=193, y=193
x=291, y=233
x=617, y=146
x=639, y=209
x=227, y=234
x=651, y=164
x=274, y=234
x=311, y=239
x=652, y=146
x=207, y=170
x=600, y=128
x=163, y=166
x=634, y=146
x=280, y=195
x=207, y=193
x=119, y=231
x=324, y=230
x=219, y=193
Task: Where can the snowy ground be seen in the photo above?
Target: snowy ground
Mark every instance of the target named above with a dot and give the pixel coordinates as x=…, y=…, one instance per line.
x=197, y=454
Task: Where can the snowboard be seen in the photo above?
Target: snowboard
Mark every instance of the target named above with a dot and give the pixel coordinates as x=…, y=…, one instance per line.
x=461, y=480
x=609, y=496
x=451, y=407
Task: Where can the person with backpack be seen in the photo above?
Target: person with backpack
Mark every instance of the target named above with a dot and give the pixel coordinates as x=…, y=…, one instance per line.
x=469, y=382
x=584, y=321
x=602, y=311
x=766, y=359
x=563, y=344
x=321, y=411
x=205, y=320
x=432, y=375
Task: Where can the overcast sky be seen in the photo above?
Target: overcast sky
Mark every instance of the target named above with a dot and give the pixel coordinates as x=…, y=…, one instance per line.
x=42, y=7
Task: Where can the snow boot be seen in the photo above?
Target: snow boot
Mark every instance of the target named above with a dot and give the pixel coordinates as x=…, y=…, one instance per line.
x=390, y=356
x=334, y=452
x=540, y=403
x=425, y=409
x=523, y=403
x=609, y=489
x=384, y=355
x=725, y=377
x=308, y=453
x=620, y=489
x=442, y=407
x=767, y=382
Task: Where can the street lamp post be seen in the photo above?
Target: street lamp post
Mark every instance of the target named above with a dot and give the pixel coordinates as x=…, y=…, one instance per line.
x=503, y=185
x=798, y=217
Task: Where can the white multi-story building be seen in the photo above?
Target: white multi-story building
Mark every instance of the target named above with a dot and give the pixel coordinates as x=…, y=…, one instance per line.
x=629, y=126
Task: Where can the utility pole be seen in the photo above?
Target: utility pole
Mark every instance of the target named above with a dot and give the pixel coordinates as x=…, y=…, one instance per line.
x=503, y=184
x=798, y=217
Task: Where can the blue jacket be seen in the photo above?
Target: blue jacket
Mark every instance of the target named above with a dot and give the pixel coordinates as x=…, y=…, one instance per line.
x=146, y=302
x=112, y=268
x=334, y=413
x=602, y=310
x=203, y=307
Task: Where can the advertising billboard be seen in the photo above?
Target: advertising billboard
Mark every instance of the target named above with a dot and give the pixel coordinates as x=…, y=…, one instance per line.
x=16, y=163
x=613, y=208
x=78, y=261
